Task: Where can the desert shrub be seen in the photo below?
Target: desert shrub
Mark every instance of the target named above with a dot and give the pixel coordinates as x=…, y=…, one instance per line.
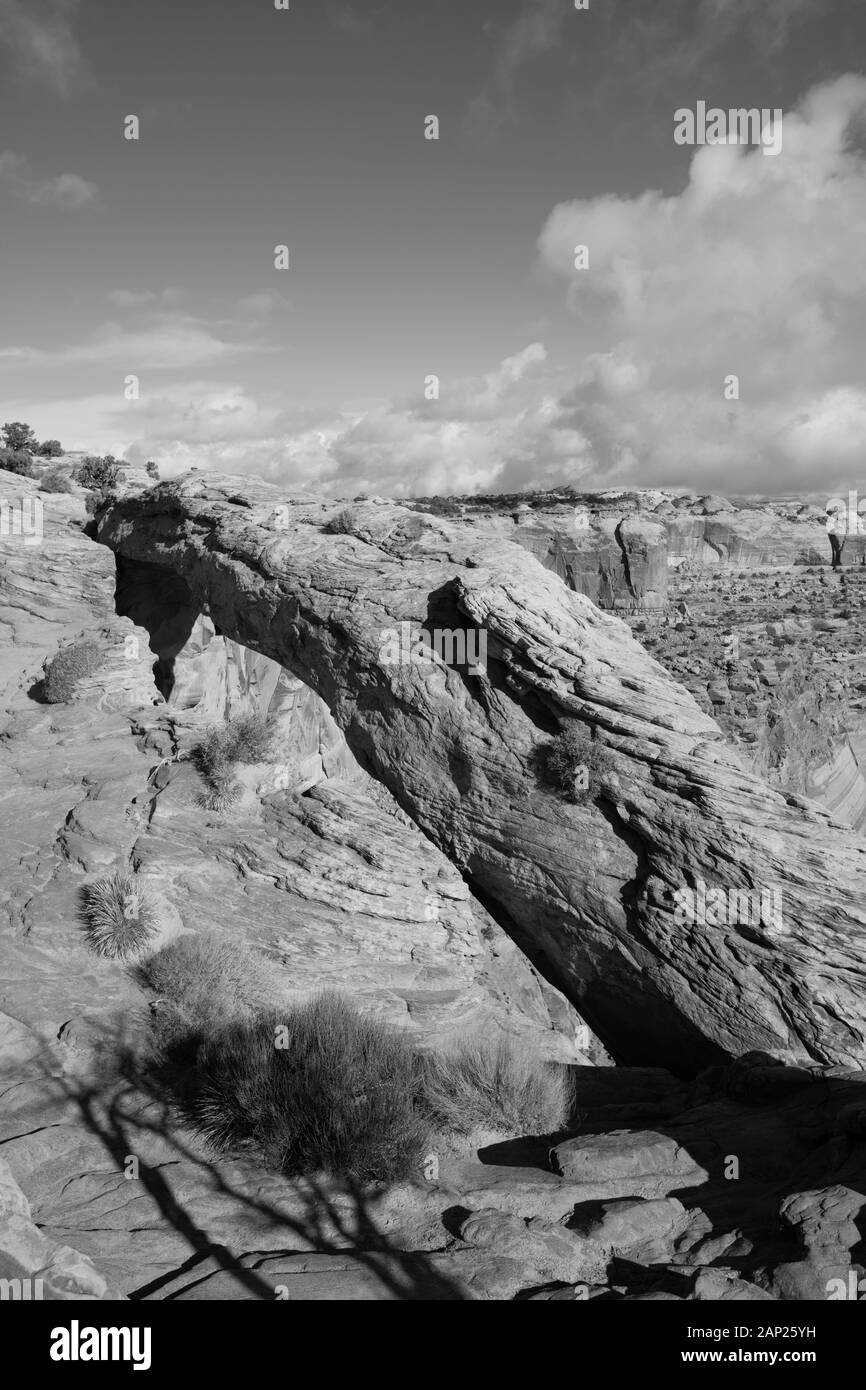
x=245, y=739
x=573, y=763
x=55, y=480
x=211, y=980
x=101, y=474
x=492, y=1085
x=338, y=1094
x=343, y=524
x=16, y=461
x=67, y=668
x=152, y=470
x=19, y=438
x=50, y=448
x=119, y=917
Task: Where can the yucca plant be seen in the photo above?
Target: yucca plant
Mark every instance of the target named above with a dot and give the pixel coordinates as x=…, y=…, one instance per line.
x=120, y=918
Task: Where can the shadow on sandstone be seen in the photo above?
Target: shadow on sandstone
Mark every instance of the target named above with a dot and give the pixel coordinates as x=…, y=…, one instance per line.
x=335, y=1218
x=757, y=1169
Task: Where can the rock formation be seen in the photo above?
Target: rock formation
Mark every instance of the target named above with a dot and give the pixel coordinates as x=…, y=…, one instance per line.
x=398, y=843
x=586, y=890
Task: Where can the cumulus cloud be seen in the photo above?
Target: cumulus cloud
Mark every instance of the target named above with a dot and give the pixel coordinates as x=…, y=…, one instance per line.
x=482, y=434
x=40, y=37
x=754, y=270
x=64, y=191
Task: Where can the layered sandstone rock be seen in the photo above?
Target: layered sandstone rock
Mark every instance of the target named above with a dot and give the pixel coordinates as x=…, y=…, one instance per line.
x=587, y=890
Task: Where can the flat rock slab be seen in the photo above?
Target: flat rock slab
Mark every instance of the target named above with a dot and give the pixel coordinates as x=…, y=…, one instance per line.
x=651, y=1159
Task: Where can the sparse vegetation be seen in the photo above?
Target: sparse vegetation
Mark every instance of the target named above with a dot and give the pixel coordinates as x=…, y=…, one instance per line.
x=16, y=461
x=343, y=524
x=321, y=1087
x=55, y=480
x=315, y=1088
x=573, y=764
x=119, y=917
x=101, y=474
x=67, y=668
x=209, y=980
x=438, y=506
x=244, y=739
x=483, y=1085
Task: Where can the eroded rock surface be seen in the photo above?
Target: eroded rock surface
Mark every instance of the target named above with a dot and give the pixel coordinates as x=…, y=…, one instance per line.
x=586, y=890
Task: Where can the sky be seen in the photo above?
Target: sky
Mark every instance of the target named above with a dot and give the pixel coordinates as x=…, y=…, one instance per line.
x=433, y=332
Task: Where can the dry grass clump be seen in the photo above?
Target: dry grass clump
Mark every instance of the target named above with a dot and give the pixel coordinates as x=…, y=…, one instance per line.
x=119, y=917
x=67, y=668
x=320, y=1087
x=315, y=1088
x=209, y=980
x=492, y=1085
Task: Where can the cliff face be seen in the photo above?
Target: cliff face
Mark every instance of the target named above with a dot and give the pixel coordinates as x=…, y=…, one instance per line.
x=621, y=563
x=777, y=656
x=586, y=890
x=623, y=549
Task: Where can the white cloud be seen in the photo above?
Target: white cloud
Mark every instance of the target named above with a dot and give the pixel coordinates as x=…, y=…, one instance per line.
x=164, y=340
x=64, y=191
x=483, y=433
x=42, y=41
x=755, y=269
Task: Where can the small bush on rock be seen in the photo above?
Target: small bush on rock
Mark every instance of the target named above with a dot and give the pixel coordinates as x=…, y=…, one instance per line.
x=101, y=474
x=211, y=980
x=481, y=1085
x=67, y=668
x=343, y=524
x=315, y=1088
x=55, y=480
x=119, y=917
x=573, y=764
x=16, y=461
x=245, y=739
